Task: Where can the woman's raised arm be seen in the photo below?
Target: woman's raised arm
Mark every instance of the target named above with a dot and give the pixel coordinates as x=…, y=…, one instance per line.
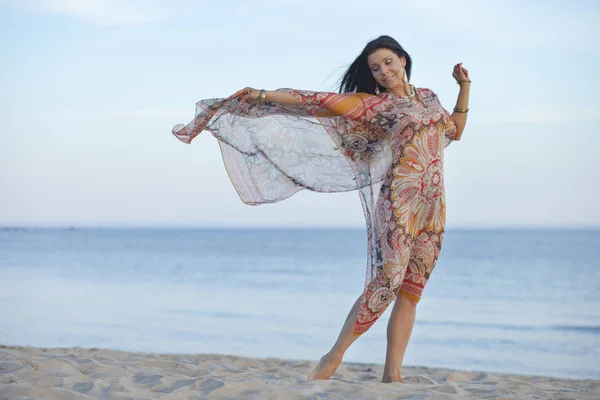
x=323, y=104
x=462, y=102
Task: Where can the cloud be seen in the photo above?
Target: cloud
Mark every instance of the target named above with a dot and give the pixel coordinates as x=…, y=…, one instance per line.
x=105, y=12
x=176, y=115
x=128, y=12
x=516, y=116
x=547, y=115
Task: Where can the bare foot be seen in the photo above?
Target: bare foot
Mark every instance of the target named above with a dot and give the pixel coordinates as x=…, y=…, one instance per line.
x=391, y=378
x=326, y=368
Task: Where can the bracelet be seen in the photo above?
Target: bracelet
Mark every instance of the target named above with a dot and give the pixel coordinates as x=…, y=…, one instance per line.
x=464, y=80
x=262, y=96
x=461, y=110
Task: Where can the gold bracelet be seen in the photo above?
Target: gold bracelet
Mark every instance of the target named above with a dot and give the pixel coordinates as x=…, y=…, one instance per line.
x=461, y=110
x=262, y=96
x=464, y=80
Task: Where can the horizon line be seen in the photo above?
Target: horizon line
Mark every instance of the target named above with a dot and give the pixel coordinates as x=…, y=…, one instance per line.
x=7, y=227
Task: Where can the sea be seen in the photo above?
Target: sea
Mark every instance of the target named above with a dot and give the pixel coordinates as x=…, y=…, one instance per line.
x=512, y=301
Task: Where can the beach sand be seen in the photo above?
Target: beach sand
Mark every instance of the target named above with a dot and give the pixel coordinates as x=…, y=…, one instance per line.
x=78, y=373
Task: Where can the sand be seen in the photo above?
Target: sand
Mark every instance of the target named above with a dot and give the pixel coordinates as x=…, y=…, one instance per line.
x=77, y=373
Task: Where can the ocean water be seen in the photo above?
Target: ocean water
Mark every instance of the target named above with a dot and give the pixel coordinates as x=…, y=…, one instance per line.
x=522, y=301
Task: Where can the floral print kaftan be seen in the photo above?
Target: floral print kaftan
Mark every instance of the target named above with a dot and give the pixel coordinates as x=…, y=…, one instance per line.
x=389, y=148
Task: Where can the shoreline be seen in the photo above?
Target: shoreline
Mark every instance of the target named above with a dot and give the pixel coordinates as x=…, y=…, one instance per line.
x=84, y=373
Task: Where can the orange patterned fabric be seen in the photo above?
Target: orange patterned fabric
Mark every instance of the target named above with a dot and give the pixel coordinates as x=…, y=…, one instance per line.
x=388, y=148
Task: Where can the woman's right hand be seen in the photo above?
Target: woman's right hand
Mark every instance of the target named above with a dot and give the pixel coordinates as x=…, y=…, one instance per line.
x=247, y=94
x=460, y=73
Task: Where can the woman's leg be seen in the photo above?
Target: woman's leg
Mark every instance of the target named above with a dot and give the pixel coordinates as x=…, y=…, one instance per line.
x=366, y=310
x=423, y=257
x=399, y=329
x=331, y=361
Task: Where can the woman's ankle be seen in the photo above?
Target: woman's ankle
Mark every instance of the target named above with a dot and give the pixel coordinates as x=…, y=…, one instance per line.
x=391, y=375
x=391, y=378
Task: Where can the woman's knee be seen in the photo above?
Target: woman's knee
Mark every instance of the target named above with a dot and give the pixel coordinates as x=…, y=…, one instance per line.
x=406, y=301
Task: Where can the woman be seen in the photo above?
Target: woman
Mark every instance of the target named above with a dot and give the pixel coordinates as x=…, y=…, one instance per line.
x=380, y=136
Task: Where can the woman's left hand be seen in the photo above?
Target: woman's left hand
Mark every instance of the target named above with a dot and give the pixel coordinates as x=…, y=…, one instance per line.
x=460, y=73
x=247, y=94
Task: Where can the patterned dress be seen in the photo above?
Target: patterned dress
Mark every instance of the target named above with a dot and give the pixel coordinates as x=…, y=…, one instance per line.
x=388, y=148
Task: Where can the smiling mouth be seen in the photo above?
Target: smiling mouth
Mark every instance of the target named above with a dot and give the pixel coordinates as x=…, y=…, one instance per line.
x=388, y=78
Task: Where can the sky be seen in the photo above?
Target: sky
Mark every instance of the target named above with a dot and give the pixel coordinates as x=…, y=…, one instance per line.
x=90, y=90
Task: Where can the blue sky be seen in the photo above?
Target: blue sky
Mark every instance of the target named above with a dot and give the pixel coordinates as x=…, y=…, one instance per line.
x=91, y=90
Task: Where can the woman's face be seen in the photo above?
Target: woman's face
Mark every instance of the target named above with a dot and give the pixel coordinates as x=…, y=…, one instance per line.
x=387, y=68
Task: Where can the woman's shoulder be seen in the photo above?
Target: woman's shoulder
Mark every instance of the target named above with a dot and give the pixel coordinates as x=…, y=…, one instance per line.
x=428, y=96
x=426, y=92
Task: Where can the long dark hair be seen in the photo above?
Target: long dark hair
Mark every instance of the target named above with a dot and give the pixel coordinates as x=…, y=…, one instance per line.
x=358, y=77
